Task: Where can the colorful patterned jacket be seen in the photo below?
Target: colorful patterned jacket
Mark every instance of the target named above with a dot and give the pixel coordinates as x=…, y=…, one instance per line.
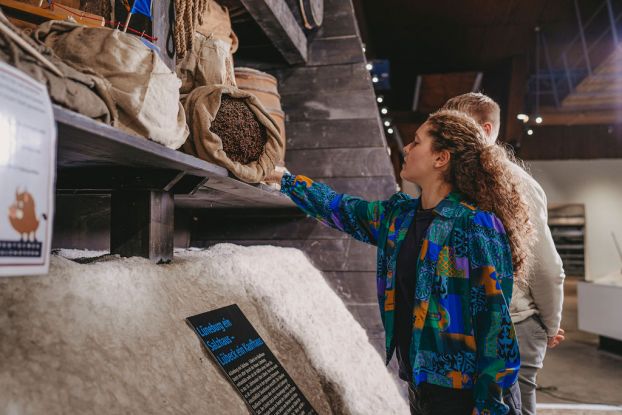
x=463, y=337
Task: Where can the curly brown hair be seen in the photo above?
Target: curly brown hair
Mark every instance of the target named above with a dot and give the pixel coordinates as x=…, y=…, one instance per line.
x=483, y=174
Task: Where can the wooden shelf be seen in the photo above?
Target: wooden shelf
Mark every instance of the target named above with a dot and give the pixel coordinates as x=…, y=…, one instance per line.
x=96, y=158
x=83, y=142
x=231, y=193
x=146, y=181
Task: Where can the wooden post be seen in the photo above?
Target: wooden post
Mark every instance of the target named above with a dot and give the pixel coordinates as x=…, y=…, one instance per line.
x=142, y=224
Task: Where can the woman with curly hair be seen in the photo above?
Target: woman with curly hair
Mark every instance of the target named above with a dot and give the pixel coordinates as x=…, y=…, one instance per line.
x=446, y=264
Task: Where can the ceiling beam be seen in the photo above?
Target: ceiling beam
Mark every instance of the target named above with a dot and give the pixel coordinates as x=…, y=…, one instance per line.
x=551, y=116
x=276, y=20
x=561, y=142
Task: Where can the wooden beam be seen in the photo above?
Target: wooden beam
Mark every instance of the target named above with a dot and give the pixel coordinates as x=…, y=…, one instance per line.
x=572, y=142
x=552, y=116
x=141, y=224
x=437, y=88
x=340, y=162
x=107, y=179
x=279, y=24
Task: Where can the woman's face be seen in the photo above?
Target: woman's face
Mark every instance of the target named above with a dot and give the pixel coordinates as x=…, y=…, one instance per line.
x=420, y=161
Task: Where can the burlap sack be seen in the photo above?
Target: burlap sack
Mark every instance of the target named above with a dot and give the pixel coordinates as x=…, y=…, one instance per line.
x=208, y=63
x=144, y=89
x=217, y=24
x=202, y=105
x=75, y=88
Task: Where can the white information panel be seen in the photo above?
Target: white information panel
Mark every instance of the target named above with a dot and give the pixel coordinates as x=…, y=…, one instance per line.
x=27, y=173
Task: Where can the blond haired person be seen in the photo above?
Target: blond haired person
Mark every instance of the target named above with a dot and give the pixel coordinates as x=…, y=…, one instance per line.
x=536, y=308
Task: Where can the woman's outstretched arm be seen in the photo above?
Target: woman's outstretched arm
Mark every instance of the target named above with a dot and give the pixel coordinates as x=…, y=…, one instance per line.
x=357, y=217
x=498, y=359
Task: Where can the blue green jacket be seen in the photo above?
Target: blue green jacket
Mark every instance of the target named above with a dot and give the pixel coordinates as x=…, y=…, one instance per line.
x=462, y=337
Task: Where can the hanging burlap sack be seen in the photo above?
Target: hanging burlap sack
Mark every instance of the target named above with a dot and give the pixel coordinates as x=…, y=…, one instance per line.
x=144, y=89
x=205, y=16
x=202, y=106
x=208, y=63
x=217, y=24
x=72, y=87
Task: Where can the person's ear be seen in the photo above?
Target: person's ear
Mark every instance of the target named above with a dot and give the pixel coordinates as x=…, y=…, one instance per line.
x=487, y=126
x=442, y=159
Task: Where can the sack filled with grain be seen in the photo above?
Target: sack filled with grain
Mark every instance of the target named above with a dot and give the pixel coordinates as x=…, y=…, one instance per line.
x=231, y=128
x=145, y=91
x=265, y=87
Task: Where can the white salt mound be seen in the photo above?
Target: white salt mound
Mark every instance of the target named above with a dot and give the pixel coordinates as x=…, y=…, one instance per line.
x=110, y=336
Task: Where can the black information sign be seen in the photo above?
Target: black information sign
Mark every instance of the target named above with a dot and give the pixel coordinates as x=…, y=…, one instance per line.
x=248, y=362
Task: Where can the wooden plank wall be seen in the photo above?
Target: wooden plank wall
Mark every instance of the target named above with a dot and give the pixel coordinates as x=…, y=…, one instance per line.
x=334, y=135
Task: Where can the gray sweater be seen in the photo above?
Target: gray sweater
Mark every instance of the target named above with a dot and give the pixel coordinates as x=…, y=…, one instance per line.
x=545, y=294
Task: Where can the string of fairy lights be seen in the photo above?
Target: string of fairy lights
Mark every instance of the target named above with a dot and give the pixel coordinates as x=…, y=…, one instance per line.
x=377, y=81
x=380, y=81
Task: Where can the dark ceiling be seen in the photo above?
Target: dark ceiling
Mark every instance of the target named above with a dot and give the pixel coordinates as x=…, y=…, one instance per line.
x=421, y=36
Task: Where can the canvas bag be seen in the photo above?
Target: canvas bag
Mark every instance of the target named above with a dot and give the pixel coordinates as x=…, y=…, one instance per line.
x=217, y=24
x=77, y=89
x=202, y=105
x=208, y=63
x=145, y=91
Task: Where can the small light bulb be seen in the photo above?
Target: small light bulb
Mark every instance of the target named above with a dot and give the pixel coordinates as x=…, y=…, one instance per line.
x=389, y=150
x=390, y=131
x=364, y=49
x=530, y=132
x=387, y=123
x=384, y=111
x=523, y=117
x=379, y=99
x=374, y=79
x=538, y=120
x=369, y=66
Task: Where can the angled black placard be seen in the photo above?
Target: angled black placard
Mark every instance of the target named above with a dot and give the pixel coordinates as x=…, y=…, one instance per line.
x=249, y=364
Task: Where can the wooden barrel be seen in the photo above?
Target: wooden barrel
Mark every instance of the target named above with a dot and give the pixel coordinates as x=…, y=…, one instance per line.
x=264, y=87
x=312, y=13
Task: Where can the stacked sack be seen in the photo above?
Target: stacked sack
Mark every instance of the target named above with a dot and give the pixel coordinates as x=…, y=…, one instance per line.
x=145, y=92
x=70, y=86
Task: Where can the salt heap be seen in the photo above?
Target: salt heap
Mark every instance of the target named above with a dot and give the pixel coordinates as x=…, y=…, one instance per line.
x=110, y=336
